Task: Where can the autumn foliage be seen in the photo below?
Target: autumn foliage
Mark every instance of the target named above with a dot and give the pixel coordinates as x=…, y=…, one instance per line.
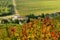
x=36, y=29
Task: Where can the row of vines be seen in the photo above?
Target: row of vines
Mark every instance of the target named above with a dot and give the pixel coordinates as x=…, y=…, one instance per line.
x=36, y=29
x=5, y=7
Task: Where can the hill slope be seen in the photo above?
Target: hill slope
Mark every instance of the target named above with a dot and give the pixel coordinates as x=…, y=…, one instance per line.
x=37, y=6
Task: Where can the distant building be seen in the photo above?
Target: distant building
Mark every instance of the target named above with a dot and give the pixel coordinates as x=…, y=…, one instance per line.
x=19, y=17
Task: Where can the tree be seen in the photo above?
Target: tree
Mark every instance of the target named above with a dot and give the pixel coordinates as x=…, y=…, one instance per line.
x=4, y=21
x=42, y=15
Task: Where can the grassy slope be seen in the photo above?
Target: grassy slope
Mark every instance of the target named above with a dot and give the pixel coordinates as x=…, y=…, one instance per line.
x=37, y=6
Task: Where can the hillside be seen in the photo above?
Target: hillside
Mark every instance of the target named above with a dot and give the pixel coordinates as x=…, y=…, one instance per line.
x=37, y=6
x=26, y=7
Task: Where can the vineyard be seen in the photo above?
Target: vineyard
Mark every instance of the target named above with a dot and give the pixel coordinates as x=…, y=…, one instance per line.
x=37, y=7
x=29, y=20
x=5, y=7
x=4, y=3
x=25, y=7
x=37, y=29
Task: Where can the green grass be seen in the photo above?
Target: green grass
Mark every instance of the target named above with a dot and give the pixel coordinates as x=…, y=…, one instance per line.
x=25, y=7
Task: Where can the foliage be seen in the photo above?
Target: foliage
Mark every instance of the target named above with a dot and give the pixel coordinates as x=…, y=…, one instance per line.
x=36, y=29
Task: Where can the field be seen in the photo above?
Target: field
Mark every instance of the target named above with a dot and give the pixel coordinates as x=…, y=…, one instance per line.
x=37, y=7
